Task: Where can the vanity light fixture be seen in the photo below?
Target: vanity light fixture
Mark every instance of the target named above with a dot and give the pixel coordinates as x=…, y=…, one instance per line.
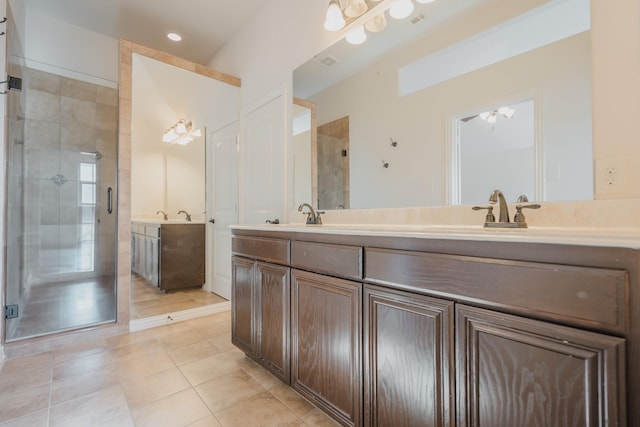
x=335, y=17
x=334, y=20
x=401, y=9
x=356, y=36
x=181, y=133
x=174, y=37
x=355, y=8
x=377, y=23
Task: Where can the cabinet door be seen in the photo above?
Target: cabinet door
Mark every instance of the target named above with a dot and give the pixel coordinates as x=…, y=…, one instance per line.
x=408, y=365
x=326, y=339
x=154, y=263
x=272, y=319
x=242, y=304
x=514, y=371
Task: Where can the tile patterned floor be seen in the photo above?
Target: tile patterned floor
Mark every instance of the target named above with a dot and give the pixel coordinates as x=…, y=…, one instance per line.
x=147, y=300
x=185, y=374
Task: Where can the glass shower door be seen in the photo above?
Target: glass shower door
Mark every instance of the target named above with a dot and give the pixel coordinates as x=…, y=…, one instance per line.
x=61, y=218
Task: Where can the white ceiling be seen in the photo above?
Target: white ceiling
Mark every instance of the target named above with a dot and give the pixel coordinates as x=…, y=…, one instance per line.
x=205, y=25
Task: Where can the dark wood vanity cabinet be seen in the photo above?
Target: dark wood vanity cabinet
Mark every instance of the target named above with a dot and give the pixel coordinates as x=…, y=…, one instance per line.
x=260, y=299
x=514, y=371
x=326, y=340
x=408, y=359
x=418, y=332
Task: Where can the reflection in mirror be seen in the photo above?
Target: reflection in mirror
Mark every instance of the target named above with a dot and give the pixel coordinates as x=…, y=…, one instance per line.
x=168, y=176
x=463, y=62
x=333, y=164
x=505, y=136
x=305, y=153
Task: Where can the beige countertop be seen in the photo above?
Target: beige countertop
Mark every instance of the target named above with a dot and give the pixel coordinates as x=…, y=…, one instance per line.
x=160, y=221
x=611, y=237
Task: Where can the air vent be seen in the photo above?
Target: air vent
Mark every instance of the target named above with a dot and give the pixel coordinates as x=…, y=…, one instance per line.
x=417, y=19
x=328, y=61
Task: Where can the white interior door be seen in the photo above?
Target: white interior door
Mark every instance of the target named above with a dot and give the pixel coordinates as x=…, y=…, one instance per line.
x=263, y=176
x=222, y=206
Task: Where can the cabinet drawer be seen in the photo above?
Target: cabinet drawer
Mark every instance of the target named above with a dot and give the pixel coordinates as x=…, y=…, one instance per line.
x=337, y=260
x=594, y=297
x=272, y=250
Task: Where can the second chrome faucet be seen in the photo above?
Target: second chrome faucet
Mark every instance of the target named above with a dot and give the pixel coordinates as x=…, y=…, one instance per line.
x=188, y=217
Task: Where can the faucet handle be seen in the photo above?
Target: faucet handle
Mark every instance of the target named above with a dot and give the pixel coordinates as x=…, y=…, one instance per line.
x=490, y=217
x=522, y=199
x=519, y=216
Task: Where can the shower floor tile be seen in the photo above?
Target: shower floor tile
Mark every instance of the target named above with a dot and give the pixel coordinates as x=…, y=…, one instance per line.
x=66, y=305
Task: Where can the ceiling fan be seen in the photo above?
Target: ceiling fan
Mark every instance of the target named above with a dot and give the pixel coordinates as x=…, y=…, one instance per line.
x=492, y=116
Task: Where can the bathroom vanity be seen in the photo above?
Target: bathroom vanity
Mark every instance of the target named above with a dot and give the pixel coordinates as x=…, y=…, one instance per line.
x=411, y=327
x=169, y=255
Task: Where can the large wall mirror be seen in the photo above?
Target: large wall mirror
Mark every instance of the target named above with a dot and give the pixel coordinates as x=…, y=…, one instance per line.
x=458, y=99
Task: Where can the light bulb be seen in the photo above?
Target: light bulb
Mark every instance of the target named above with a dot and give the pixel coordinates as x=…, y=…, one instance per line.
x=334, y=20
x=355, y=8
x=492, y=118
x=357, y=36
x=377, y=23
x=506, y=112
x=181, y=127
x=400, y=9
x=485, y=115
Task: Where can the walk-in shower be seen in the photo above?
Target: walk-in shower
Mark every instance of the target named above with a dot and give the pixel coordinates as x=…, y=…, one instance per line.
x=61, y=218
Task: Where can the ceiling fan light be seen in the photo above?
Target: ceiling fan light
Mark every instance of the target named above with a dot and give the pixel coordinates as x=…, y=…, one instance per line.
x=400, y=9
x=377, y=23
x=492, y=118
x=356, y=36
x=181, y=127
x=334, y=20
x=355, y=8
x=506, y=112
x=484, y=115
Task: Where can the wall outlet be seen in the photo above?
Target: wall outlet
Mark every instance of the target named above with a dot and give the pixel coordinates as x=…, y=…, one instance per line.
x=611, y=175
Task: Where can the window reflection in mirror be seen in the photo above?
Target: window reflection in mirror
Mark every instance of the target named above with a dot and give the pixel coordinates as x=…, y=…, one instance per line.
x=396, y=97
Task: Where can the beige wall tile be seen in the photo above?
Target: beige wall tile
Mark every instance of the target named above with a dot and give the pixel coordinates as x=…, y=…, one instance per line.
x=43, y=106
x=78, y=89
x=41, y=80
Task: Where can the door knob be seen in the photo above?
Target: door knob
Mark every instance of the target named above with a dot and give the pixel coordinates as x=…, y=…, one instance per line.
x=212, y=221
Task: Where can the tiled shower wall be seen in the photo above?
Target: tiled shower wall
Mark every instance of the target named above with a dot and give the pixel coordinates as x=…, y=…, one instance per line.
x=333, y=164
x=65, y=121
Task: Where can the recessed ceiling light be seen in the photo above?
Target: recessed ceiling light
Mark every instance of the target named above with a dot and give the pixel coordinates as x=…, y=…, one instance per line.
x=175, y=37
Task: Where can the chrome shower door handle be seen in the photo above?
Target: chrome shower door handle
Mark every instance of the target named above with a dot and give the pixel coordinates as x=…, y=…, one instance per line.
x=109, y=200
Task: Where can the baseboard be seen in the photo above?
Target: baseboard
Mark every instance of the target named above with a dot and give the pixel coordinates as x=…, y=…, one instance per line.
x=178, y=316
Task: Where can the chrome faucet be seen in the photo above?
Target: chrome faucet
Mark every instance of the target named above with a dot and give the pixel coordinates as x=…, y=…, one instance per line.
x=519, y=220
x=497, y=197
x=164, y=215
x=313, y=216
x=187, y=214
